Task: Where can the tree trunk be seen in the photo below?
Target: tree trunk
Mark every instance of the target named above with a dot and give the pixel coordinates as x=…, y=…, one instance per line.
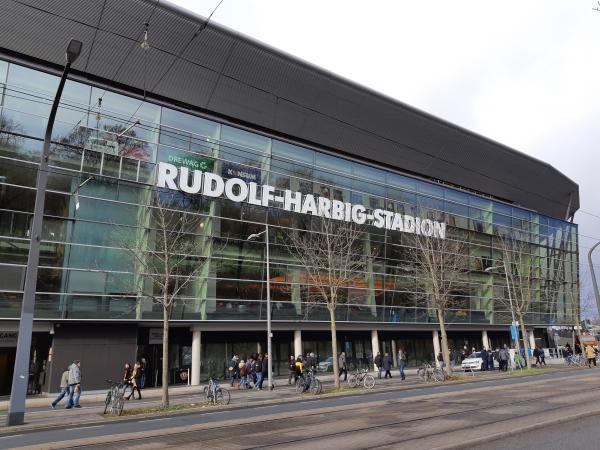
x=165, y=358
x=445, y=350
x=525, y=341
x=334, y=353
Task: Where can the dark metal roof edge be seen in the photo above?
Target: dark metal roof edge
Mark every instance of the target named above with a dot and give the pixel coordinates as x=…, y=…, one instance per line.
x=334, y=77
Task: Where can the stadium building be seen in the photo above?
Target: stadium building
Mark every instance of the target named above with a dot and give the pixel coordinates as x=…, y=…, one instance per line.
x=204, y=98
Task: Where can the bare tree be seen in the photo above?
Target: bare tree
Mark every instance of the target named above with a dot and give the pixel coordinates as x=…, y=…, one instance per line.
x=522, y=274
x=440, y=266
x=334, y=260
x=167, y=250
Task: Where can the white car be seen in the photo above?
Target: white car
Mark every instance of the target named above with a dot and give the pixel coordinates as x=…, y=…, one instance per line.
x=473, y=362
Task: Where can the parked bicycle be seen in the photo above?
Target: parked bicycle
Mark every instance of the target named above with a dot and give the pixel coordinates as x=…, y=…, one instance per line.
x=309, y=382
x=576, y=360
x=115, y=397
x=215, y=393
x=427, y=372
x=361, y=377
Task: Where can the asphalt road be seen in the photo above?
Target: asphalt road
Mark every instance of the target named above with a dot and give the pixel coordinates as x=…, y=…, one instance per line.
x=379, y=419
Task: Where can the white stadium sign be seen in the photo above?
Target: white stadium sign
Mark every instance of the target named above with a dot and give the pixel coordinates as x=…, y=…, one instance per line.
x=238, y=190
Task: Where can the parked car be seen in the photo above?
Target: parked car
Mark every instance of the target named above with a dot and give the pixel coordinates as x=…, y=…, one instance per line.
x=473, y=362
x=326, y=366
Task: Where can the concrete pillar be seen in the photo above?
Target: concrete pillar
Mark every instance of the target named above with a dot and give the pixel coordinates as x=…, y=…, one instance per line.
x=485, y=340
x=394, y=353
x=196, y=356
x=436, y=347
x=258, y=349
x=374, y=345
x=297, y=343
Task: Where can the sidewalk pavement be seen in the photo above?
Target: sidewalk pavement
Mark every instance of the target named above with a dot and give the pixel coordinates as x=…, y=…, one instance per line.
x=40, y=414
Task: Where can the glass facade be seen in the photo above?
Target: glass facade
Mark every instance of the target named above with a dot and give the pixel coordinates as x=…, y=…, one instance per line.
x=118, y=140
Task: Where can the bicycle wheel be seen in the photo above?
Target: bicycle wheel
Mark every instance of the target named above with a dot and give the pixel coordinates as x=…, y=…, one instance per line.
x=107, y=401
x=318, y=388
x=422, y=374
x=127, y=390
x=438, y=375
x=369, y=382
x=223, y=397
x=314, y=386
x=353, y=380
x=119, y=406
x=299, y=386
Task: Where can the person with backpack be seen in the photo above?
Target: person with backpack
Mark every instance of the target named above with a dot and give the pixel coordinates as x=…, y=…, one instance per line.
x=503, y=356
x=233, y=369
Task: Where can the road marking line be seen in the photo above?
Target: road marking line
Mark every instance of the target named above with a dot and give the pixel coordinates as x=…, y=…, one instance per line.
x=83, y=428
x=10, y=436
x=155, y=420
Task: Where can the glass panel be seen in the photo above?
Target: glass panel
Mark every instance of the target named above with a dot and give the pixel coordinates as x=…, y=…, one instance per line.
x=3, y=71
x=188, y=132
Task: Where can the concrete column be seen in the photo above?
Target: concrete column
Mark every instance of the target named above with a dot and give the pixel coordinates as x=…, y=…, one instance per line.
x=258, y=349
x=485, y=340
x=297, y=343
x=196, y=356
x=394, y=353
x=374, y=345
x=436, y=347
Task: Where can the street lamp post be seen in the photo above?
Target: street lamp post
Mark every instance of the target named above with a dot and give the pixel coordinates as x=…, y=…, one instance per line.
x=593, y=274
x=269, y=334
x=18, y=392
x=512, y=311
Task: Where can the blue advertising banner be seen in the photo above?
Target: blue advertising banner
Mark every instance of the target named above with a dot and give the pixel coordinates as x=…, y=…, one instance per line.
x=514, y=332
x=248, y=174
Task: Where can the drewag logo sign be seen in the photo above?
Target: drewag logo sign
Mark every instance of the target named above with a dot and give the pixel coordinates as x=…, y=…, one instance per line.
x=238, y=190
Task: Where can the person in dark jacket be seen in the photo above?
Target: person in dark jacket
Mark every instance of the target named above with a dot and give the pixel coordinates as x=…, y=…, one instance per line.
x=127, y=374
x=490, y=360
x=258, y=370
x=292, y=370
x=484, y=359
x=265, y=371
x=311, y=361
x=378, y=363
x=386, y=361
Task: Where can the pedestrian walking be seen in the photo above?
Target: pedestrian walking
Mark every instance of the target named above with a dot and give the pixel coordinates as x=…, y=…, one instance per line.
x=536, y=355
x=386, y=361
x=64, y=388
x=311, y=361
x=74, y=385
x=378, y=365
x=590, y=354
x=258, y=369
x=292, y=370
x=401, y=363
x=127, y=374
x=135, y=382
x=143, y=372
x=342, y=366
x=265, y=371
x=503, y=356
x=491, y=359
x=484, y=359
x=542, y=357
x=243, y=375
x=233, y=369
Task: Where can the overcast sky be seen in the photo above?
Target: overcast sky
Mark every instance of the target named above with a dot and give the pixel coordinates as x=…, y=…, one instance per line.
x=526, y=74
